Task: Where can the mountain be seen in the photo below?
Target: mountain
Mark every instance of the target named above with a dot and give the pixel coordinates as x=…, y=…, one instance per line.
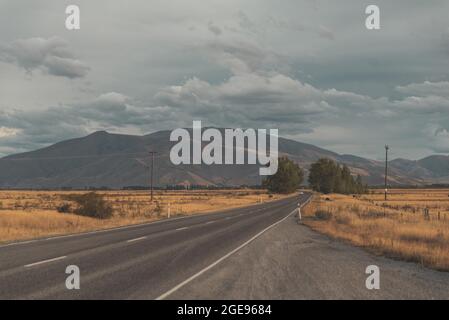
x=110, y=160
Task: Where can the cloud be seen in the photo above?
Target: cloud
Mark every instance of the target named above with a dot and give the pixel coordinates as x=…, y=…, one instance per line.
x=112, y=111
x=252, y=65
x=426, y=88
x=8, y=132
x=51, y=55
x=214, y=29
x=326, y=33
x=252, y=97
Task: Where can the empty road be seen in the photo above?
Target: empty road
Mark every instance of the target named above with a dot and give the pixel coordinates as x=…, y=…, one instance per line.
x=257, y=252
x=140, y=262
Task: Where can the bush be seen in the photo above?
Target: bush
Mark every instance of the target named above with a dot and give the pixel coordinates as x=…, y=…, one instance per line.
x=323, y=215
x=92, y=205
x=343, y=219
x=64, y=208
x=158, y=209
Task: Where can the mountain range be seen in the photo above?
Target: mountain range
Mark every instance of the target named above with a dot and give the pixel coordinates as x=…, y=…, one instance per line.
x=110, y=160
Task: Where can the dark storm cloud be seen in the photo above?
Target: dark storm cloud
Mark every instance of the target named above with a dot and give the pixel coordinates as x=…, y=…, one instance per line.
x=309, y=68
x=110, y=111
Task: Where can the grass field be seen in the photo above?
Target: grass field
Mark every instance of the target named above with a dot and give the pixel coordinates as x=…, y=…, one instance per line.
x=412, y=225
x=32, y=214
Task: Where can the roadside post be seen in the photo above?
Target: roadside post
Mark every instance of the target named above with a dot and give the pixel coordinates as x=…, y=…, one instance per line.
x=168, y=211
x=299, y=212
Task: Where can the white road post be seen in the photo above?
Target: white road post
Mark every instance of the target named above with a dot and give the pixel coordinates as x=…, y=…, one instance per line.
x=168, y=211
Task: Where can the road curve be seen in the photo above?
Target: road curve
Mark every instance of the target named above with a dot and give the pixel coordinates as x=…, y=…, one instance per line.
x=139, y=262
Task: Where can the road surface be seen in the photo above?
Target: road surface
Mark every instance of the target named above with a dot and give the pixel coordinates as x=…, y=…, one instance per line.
x=213, y=256
x=139, y=262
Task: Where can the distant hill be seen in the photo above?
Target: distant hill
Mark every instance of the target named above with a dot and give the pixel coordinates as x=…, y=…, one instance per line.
x=115, y=161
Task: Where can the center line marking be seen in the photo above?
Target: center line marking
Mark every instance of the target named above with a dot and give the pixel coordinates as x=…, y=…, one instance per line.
x=183, y=228
x=208, y=222
x=137, y=239
x=44, y=261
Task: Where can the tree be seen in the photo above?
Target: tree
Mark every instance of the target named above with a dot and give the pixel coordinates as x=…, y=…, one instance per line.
x=324, y=176
x=347, y=182
x=287, y=179
x=327, y=176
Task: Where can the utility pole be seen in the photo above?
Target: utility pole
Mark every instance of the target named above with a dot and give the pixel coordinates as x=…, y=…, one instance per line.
x=152, y=153
x=386, y=170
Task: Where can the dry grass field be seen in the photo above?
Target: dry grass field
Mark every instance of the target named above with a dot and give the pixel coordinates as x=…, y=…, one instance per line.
x=412, y=225
x=31, y=214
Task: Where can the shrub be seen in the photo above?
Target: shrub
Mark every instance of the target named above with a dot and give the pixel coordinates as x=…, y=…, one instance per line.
x=64, y=208
x=323, y=215
x=374, y=214
x=158, y=209
x=92, y=205
x=342, y=219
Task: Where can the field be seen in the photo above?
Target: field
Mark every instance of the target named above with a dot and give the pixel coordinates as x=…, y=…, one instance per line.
x=31, y=214
x=412, y=225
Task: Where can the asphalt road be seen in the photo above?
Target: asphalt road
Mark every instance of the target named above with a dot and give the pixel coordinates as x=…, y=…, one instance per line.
x=257, y=252
x=140, y=262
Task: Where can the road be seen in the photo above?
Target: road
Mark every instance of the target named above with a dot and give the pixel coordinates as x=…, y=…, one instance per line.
x=139, y=262
x=212, y=256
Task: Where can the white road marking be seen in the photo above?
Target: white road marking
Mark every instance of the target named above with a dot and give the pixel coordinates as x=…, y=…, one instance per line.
x=209, y=222
x=16, y=243
x=44, y=261
x=196, y=275
x=183, y=228
x=137, y=239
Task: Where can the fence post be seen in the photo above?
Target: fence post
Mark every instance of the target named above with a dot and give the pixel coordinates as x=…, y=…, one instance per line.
x=426, y=214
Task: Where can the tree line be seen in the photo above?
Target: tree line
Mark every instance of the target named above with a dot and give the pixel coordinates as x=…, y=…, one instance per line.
x=325, y=175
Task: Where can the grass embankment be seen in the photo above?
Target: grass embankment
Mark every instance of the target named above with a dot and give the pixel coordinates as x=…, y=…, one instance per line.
x=397, y=228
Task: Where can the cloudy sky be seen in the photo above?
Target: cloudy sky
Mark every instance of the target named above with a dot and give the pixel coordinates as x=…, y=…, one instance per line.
x=309, y=68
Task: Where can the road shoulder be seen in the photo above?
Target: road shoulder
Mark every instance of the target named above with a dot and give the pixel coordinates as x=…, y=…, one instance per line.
x=291, y=261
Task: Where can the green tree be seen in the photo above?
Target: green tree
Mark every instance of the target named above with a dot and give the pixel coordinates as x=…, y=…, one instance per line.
x=327, y=176
x=287, y=179
x=347, y=182
x=323, y=175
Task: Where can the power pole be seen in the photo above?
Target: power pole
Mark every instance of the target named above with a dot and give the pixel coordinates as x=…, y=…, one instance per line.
x=386, y=170
x=152, y=153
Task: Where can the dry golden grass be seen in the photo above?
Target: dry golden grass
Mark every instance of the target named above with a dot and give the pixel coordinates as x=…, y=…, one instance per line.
x=31, y=214
x=396, y=228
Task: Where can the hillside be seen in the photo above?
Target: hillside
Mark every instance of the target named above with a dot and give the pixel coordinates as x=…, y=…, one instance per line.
x=116, y=161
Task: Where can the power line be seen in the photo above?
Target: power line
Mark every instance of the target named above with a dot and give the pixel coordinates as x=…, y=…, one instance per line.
x=386, y=170
x=152, y=153
x=75, y=157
